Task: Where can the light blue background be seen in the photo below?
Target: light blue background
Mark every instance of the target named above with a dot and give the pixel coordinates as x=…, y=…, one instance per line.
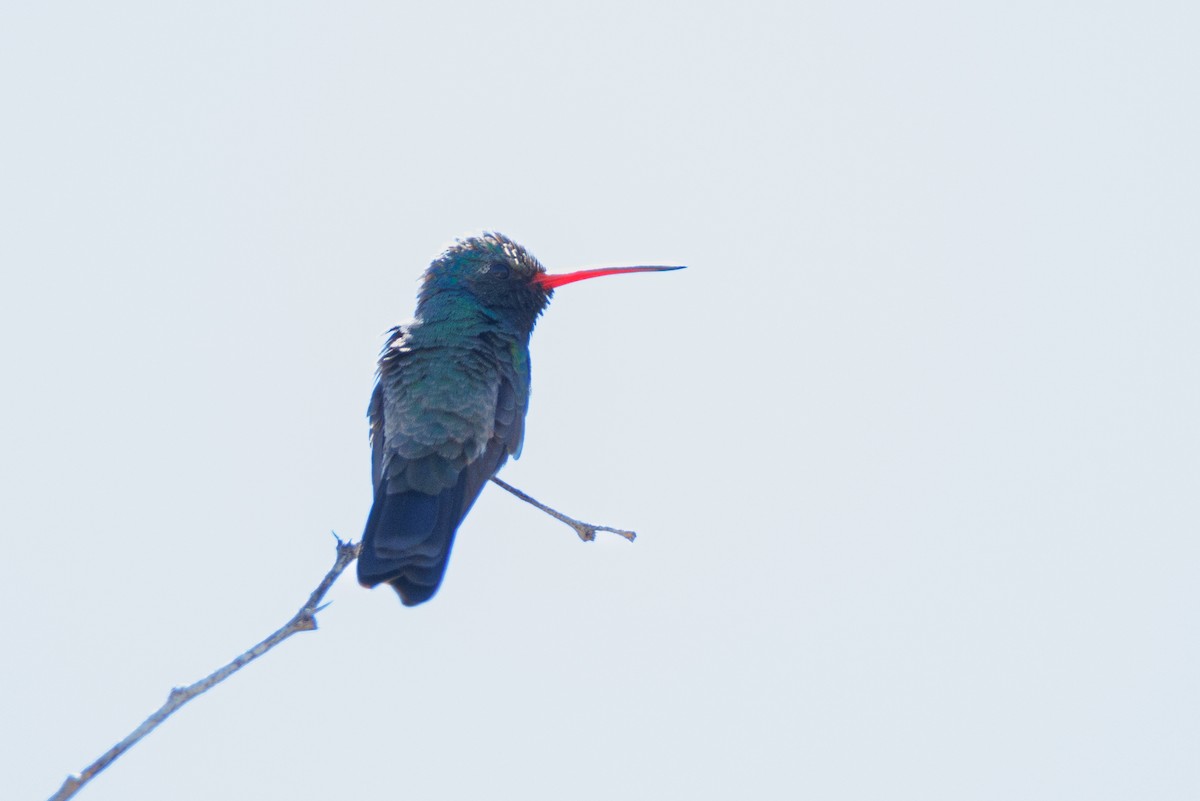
x=912, y=446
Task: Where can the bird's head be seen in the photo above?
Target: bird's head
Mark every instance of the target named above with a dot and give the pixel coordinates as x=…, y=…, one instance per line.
x=503, y=277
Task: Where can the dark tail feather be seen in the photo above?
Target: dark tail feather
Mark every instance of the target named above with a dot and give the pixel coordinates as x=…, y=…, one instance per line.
x=408, y=536
x=407, y=542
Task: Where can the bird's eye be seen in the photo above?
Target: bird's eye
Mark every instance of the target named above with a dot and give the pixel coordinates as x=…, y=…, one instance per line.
x=496, y=269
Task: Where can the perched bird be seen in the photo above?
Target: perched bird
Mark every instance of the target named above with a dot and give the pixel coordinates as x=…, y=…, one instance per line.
x=449, y=404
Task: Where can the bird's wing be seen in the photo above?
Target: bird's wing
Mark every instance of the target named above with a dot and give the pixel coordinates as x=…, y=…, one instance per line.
x=510, y=417
x=375, y=415
x=512, y=401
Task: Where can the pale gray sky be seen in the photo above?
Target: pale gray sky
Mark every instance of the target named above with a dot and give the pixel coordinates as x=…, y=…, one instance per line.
x=912, y=445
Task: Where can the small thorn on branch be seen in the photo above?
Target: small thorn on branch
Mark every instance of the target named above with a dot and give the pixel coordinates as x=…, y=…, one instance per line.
x=586, y=531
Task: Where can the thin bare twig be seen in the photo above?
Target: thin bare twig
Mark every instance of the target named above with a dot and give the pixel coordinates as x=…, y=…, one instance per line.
x=303, y=620
x=586, y=531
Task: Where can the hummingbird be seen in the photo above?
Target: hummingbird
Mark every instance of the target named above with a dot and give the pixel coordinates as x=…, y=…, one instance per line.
x=449, y=404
